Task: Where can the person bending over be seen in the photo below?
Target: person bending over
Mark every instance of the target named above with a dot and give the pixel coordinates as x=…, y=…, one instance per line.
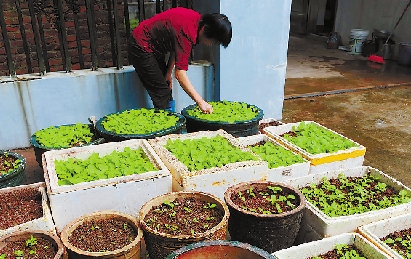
x=174, y=32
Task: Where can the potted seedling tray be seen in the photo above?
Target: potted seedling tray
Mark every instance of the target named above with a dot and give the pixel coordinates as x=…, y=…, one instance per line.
x=32, y=199
x=206, y=164
x=123, y=187
x=322, y=147
x=334, y=222
x=63, y=136
x=381, y=230
x=283, y=163
x=237, y=118
x=320, y=247
x=141, y=123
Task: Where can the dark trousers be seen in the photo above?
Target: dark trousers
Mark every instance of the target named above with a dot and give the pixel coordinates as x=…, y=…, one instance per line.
x=151, y=70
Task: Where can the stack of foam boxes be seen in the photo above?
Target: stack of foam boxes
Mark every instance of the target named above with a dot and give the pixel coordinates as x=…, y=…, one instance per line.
x=320, y=233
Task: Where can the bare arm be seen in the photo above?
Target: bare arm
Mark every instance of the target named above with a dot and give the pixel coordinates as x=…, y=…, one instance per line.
x=182, y=78
x=170, y=66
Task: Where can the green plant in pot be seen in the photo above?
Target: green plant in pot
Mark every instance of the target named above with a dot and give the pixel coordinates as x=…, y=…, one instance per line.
x=63, y=136
x=237, y=118
x=176, y=219
x=264, y=214
x=141, y=123
x=31, y=244
x=12, y=169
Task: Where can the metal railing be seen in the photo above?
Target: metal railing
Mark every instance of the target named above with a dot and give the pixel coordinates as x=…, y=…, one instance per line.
x=40, y=35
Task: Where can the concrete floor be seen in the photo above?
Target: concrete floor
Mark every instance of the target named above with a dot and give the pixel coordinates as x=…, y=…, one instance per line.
x=365, y=101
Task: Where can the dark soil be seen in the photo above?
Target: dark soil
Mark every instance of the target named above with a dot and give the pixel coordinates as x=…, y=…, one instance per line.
x=401, y=245
x=184, y=216
x=102, y=235
x=43, y=248
x=263, y=125
x=334, y=255
x=6, y=163
x=20, y=206
x=262, y=200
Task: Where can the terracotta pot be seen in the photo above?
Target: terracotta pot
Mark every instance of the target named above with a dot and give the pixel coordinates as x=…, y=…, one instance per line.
x=270, y=232
x=220, y=249
x=159, y=244
x=16, y=176
x=132, y=250
x=24, y=235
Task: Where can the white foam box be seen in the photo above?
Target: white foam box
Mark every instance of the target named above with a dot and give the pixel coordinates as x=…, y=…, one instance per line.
x=322, y=246
x=326, y=226
x=281, y=173
x=44, y=223
x=124, y=194
x=213, y=180
x=342, y=159
x=380, y=229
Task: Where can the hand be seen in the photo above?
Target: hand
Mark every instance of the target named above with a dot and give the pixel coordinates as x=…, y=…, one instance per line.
x=206, y=107
x=169, y=80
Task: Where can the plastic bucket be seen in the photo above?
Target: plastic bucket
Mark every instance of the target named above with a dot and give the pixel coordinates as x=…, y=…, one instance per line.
x=357, y=37
x=404, y=54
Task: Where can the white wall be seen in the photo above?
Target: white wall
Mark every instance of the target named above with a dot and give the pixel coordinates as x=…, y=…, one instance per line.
x=373, y=14
x=252, y=68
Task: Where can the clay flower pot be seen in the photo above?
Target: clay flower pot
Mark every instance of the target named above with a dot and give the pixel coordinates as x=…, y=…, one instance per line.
x=160, y=244
x=54, y=245
x=220, y=249
x=266, y=230
x=15, y=176
x=131, y=250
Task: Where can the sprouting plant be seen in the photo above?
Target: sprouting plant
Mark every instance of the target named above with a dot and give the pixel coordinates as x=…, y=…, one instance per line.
x=240, y=194
x=19, y=253
x=169, y=204
x=125, y=226
x=210, y=206
x=275, y=189
x=3, y=256
x=187, y=209
x=31, y=241
x=94, y=227
x=250, y=191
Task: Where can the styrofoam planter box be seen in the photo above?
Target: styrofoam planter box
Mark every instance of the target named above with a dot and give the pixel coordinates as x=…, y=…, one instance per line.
x=44, y=223
x=330, y=226
x=124, y=194
x=342, y=159
x=322, y=246
x=213, y=180
x=280, y=173
x=374, y=231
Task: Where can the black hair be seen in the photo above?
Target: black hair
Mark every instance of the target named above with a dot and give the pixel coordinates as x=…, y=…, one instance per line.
x=217, y=27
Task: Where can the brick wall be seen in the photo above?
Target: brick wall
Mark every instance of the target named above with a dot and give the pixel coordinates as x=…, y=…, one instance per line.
x=54, y=61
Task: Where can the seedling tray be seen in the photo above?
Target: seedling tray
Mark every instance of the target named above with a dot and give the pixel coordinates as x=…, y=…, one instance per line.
x=44, y=223
x=327, y=226
x=213, y=180
x=374, y=231
x=322, y=246
x=281, y=173
x=342, y=159
x=124, y=194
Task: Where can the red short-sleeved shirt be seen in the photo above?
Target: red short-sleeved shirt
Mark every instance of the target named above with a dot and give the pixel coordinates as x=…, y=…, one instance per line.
x=174, y=30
